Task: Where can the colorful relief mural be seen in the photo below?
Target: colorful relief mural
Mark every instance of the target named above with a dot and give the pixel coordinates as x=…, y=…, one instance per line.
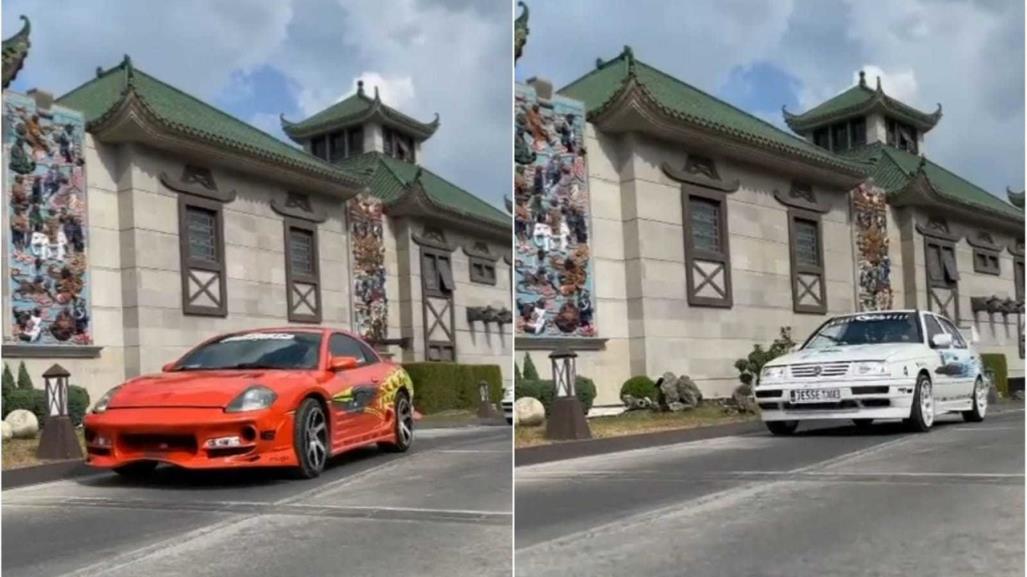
x=370, y=303
x=873, y=265
x=45, y=187
x=551, y=209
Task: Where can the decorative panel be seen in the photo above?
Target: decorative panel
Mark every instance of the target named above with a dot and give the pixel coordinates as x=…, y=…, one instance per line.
x=370, y=302
x=873, y=264
x=553, y=268
x=47, y=248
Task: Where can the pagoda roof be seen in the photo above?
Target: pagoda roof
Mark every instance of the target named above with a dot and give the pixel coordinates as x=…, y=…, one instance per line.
x=355, y=110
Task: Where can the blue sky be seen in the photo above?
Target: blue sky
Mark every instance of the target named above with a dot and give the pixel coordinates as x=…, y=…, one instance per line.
x=762, y=54
x=257, y=59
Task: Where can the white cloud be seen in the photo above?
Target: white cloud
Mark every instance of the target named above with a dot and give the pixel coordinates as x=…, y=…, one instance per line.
x=900, y=84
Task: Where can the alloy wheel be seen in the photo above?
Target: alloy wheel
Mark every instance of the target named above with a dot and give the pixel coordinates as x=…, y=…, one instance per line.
x=317, y=438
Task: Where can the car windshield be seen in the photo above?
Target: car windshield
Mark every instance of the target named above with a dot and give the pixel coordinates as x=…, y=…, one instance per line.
x=258, y=350
x=866, y=329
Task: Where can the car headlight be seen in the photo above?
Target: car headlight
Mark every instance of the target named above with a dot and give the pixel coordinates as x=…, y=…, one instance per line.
x=252, y=399
x=101, y=405
x=869, y=368
x=773, y=373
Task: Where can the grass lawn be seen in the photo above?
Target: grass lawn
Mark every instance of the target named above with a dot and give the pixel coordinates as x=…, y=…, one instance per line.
x=19, y=453
x=636, y=422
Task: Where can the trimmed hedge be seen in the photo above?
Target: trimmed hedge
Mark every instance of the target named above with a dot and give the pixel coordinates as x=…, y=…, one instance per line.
x=35, y=400
x=447, y=386
x=24, y=380
x=545, y=391
x=639, y=387
x=996, y=362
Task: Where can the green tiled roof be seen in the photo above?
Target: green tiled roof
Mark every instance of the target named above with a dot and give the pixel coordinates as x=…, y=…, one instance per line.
x=179, y=111
x=859, y=100
x=354, y=110
x=892, y=169
x=389, y=179
x=682, y=100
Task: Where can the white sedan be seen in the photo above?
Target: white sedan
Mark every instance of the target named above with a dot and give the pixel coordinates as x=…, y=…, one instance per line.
x=905, y=364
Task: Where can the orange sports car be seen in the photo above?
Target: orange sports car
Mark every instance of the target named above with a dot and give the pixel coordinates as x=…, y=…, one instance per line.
x=285, y=397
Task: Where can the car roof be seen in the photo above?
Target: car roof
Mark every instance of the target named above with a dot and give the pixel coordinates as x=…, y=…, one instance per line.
x=311, y=329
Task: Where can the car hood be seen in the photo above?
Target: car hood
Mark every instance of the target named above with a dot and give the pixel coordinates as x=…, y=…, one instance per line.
x=880, y=352
x=195, y=388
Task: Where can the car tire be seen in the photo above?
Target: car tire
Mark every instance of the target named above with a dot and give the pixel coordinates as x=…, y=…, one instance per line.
x=137, y=471
x=921, y=414
x=310, y=439
x=980, y=403
x=782, y=428
x=862, y=424
x=402, y=426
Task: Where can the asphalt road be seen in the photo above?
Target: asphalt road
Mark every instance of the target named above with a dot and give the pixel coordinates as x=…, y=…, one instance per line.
x=443, y=508
x=829, y=502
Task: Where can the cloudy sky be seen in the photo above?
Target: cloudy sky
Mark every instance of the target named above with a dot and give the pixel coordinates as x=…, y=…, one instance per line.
x=762, y=54
x=257, y=59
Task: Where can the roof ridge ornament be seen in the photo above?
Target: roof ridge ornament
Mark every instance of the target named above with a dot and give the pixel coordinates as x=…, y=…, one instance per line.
x=360, y=87
x=879, y=89
x=863, y=78
x=15, y=51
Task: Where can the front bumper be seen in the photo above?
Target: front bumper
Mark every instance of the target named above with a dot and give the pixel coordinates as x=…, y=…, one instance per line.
x=862, y=399
x=179, y=435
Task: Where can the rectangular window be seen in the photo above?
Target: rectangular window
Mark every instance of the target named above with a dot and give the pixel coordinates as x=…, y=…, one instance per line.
x=483, y=271
x=437, y=273
x=356, y=141
x=705, y=220
x=707, y=254
x=858, y=130
x=318, y=147
x=1018, y=277
x=986, y=262
x=889, y=138
x=840, y=136
x=809, y=291
x=338, y=148
x=302, y=271
x=821, y=139
x=942, y=277
x=398, y=145
x=202, y=248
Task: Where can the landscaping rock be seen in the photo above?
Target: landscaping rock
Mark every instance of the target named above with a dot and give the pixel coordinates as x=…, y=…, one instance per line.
x=7, y=431
x=633, y=403
x=679, y=393
x=23, y=423
x=529, y=412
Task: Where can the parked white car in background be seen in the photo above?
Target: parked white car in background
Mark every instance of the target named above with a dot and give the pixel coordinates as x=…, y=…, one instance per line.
x=903, y=364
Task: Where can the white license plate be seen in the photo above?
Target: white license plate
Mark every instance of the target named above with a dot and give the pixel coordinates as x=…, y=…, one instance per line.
x=816, y=395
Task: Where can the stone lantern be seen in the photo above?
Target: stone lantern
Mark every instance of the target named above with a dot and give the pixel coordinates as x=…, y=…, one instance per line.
x=58, y=440
x=567, y=416
x=486, y=410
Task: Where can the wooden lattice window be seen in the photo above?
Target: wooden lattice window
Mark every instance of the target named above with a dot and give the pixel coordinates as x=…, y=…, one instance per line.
x=942, y=277
x=707, y=255
x=202, y=248
x=806, y=248
x=986, y=261
x=302, y=271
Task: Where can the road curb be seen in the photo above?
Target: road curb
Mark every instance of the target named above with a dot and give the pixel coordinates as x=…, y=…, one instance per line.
x=574, y=449
x=24, y=476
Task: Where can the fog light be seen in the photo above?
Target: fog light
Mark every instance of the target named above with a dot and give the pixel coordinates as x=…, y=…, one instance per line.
x=101, y=441
x=223, y=442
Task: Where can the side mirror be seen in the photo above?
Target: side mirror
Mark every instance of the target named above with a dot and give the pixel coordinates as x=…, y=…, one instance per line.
x=941, y=341
x=342, y=363
x=167, y=368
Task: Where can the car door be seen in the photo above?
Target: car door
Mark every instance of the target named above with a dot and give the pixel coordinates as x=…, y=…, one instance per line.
x=942, y=373
x=354, y=391
x=964, y=356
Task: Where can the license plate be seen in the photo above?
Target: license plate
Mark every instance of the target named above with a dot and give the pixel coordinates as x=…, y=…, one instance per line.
x=816, y=395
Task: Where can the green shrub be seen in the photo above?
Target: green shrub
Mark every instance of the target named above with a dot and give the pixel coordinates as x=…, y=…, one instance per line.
x=749, y=368
x=78, y=403
x=639, y=387
x=29, y=399
x=24, y=380
x=530, y=372
x=545, y=392
x=996, y=364
x=8, y=382
x=517, y=372
x=448, y=386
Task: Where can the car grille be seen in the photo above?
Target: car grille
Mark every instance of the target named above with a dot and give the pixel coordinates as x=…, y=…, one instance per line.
x=813, y=370
x=158, y=442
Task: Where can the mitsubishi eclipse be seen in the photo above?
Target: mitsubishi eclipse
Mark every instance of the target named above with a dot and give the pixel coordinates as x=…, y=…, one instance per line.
x=903, y=364
x=285, y=397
